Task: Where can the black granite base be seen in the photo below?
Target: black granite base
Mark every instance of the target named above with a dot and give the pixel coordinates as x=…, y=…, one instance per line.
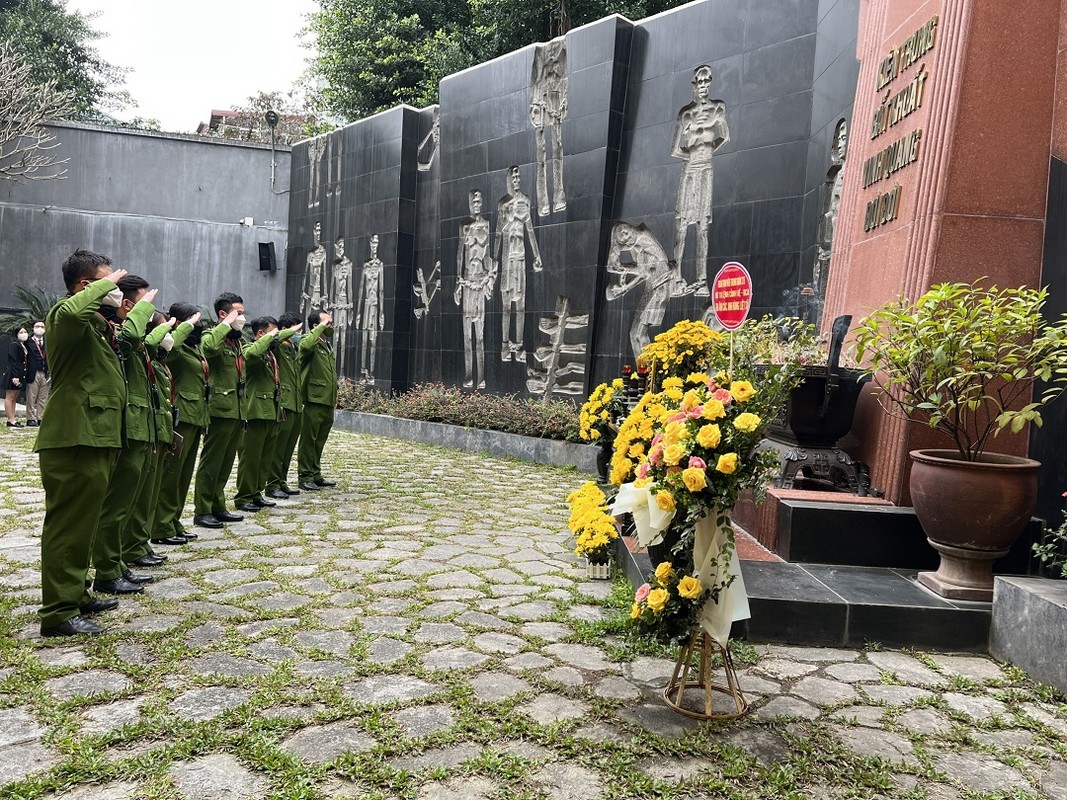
x=845, y=606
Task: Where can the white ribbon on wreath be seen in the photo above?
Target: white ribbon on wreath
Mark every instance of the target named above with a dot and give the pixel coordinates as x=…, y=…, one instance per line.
x=651, y=522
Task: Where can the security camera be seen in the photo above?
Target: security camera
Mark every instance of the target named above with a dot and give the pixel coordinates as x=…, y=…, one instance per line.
x=247, y=222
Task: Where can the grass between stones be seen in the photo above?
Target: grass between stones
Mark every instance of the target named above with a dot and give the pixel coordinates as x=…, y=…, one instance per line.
x=424, y=631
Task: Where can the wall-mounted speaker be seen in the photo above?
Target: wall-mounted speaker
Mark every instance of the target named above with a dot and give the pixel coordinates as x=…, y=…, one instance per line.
x=267, y=261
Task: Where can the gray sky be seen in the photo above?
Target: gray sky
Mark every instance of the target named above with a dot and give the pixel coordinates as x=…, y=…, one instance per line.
x=192, y=56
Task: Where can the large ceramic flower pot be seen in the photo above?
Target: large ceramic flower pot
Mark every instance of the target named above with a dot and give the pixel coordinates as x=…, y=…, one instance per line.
x=972, y=513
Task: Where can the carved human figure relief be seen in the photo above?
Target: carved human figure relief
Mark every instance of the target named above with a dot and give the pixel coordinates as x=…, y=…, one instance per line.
x=314, y=294
x=636, y=258
x=475, y=278
x=514, y=229
x=700, y=130
x=548, y=109
x=341, y=301
x=315, y=151
x=428, y=146
x=831, y=203
x=335, y=157
x=370, y=311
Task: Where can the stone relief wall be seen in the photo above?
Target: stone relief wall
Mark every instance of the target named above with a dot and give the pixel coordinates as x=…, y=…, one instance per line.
x=568, y=201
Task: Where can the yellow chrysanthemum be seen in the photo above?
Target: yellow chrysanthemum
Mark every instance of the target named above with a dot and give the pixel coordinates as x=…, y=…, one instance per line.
x=617, y=383
x=674, y=394
x=636, y=450
x=690, y=588
x=665, y=501
x=694, y=479
x=673, y=383
x=698, y=377
x=657, y=600
x=727, y=464
x=709, y=436
x=747, y=422
x=742, y=391
x=641, y=483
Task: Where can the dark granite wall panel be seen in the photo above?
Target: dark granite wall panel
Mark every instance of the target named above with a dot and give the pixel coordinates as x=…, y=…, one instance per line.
x=636, y=134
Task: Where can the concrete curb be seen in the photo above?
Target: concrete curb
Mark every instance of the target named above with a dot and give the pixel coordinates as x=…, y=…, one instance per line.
x=472, y=440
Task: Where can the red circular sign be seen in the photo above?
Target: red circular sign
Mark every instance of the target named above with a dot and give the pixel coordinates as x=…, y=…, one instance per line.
x=731, y=295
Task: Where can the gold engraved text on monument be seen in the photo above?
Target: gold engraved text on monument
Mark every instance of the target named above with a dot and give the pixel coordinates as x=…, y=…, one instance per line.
x=899, y=154
x=907, y=52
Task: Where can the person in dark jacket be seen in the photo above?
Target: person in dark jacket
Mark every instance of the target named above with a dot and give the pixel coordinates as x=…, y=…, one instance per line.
x=15, y=374
x=38, y=382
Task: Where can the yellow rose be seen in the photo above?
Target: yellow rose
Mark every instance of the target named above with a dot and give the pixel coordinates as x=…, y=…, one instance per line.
x=714, y=409
x=727, y=463
x=635, y=611
x=665, y=500
x=694, y=479
x=690, y=400
x=676, y=431
x=657, y=600
x=664, y=572
x=747, y=422
x=742, y=391
x=690, y=588
x=673, y=454
x=709, y=436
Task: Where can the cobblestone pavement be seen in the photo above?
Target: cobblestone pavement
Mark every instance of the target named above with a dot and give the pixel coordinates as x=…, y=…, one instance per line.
x=423, y=631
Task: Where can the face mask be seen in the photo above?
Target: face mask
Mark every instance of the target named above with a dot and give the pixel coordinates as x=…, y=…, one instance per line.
x=112, y=298
x=38, y=332
x=239, y=323
x=23, y=336
x=167, y=343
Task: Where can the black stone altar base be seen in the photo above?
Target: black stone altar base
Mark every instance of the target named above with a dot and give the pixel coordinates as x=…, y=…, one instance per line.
x=844, y=606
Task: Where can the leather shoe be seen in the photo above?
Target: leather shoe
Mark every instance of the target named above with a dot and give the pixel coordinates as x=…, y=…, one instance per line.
x=118, y=586
x=171, y=540
x=287, y=490
x=226, y=516
x=150, y=560
x=98, y=605
x=280, y=494
x=133, y=577
x=73, y=627
x=262, y=502
x=309, y=486
x=249, y=507
x=207, y=521
x=189, y=534
x=324, y=482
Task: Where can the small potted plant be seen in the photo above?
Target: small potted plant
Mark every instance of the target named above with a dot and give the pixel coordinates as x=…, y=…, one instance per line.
x=594, y=529
x=966, y=360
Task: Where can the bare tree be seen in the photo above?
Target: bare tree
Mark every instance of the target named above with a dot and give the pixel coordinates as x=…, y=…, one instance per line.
x=26, y=145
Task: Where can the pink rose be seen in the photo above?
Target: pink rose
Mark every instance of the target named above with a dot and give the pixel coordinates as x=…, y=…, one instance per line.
x=676, y=417
x=656, y=455
x=642, y=469
x=696, y=412
x=712, y=386
x=723, y=396
x=642, y=593
x=657, y=439
x=695, y=462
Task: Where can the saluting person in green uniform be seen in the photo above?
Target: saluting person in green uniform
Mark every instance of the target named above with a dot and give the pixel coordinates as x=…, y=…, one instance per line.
x=192, y=381
x=132, y=466
x=262, y=409
x=292, y=403
x=319, y=382
x=78, y=440
x=163, y=336
x=226, y=362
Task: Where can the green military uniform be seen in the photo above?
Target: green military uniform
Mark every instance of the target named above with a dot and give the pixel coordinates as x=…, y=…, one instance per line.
x=131, y=468
x=292, y=403
x=192, y=376
x=318, y=377
x=142, y=522
x=77, y=443
x=262, y=409
x=226, y=363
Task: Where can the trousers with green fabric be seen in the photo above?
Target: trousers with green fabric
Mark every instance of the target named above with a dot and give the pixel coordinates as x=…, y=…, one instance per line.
x=127, y=480
x=176, y=478
x=221, y=442
x=257, y=451
x=314, y=431
x=284, y=447
x=142, y=521
x=75, y=480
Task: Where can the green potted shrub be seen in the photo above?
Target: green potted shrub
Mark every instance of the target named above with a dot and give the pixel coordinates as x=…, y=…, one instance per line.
x=970, y=362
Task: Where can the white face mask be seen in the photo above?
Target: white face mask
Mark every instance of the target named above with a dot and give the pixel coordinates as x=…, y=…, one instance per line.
x=112, y=298
x=23, y=336
x=239, y=323
x=167, y=343
x=38, y=332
